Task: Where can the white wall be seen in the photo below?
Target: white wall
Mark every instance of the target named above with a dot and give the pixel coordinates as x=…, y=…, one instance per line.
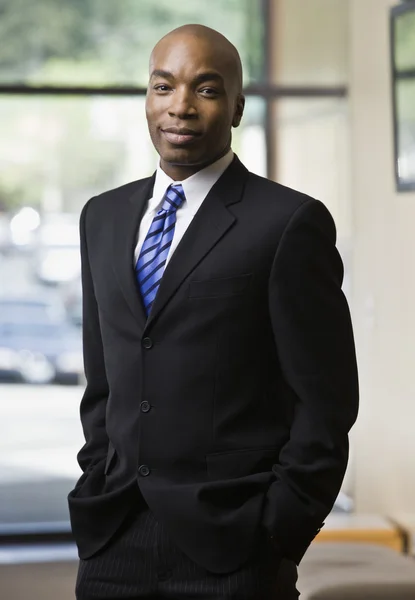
x=342, y=153
x=383, y=274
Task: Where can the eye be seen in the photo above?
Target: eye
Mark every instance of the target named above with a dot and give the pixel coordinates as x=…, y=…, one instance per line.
x=161, y=87
x=209, y=92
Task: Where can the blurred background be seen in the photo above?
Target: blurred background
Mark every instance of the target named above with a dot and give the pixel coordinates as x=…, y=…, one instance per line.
x=328, y=113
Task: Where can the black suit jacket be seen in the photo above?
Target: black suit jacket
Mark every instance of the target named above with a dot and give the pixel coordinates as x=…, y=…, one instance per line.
x=230, y=405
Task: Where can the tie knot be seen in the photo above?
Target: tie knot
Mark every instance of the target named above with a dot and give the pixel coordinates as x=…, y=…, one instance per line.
x=173, y=198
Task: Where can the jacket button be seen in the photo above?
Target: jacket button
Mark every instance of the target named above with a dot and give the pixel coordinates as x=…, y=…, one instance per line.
x=144, y=470
x=145, y=406
x=147, y=343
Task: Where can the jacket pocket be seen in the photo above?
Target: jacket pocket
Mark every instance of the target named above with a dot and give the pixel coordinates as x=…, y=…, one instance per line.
x=110, y=457
x=227, y=286
x=241, y=463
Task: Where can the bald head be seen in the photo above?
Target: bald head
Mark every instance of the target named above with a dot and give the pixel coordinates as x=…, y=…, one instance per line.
x=209, y=38
x=194, y=98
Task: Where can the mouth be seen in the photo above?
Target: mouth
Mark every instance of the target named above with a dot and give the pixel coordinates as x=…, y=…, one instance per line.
x=180, y=136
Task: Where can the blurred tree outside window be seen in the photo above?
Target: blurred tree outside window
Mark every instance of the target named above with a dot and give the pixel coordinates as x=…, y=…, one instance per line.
x=107, y=42
x=403, y=39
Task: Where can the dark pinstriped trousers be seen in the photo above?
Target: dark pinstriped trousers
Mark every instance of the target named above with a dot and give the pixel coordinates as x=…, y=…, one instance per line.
x=143, y=562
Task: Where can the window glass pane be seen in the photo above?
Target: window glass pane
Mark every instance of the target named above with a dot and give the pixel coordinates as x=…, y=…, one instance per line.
x=311, y=39
x=55, y=153
x=405, y=105
x=405, y=41
x=104, y=42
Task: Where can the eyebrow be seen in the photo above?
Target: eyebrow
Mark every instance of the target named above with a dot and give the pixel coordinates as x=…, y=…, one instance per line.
x=161, y=73
x=206, y=76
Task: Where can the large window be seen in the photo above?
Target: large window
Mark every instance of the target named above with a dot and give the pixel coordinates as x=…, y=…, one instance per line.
x=72, y=85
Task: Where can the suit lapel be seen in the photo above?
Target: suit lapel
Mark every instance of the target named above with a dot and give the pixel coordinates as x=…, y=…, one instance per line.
x=126, y=225
x=209, y=225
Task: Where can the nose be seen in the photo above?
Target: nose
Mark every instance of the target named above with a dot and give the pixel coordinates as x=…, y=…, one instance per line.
x=182, y=104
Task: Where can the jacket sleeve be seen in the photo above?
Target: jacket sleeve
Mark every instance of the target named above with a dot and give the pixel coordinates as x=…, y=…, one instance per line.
x=314, y=339
x=94, y=400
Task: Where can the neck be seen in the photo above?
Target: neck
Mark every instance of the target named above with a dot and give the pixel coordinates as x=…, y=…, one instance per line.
x=182, y=172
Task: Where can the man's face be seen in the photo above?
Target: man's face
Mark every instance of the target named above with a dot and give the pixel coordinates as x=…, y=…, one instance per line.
x=192, y=102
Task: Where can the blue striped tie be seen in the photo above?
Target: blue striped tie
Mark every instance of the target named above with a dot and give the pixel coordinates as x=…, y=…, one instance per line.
x=153, y=255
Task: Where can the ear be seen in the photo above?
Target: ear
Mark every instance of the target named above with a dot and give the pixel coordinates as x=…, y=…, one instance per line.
x=239, y=110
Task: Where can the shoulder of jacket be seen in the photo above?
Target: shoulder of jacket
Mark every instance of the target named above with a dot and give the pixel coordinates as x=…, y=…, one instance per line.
x=111, y=198
x=288, y=207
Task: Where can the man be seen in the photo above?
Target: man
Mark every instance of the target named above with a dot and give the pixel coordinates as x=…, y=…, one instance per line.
x=219, y=357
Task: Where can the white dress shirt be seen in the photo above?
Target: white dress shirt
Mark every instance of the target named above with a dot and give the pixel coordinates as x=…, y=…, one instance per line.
x=195, y=188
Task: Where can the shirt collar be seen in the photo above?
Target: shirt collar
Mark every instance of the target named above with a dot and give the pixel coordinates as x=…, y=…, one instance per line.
x=196, y=187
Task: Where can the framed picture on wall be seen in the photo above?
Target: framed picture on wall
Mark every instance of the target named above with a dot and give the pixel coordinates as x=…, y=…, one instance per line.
x=402, y=35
